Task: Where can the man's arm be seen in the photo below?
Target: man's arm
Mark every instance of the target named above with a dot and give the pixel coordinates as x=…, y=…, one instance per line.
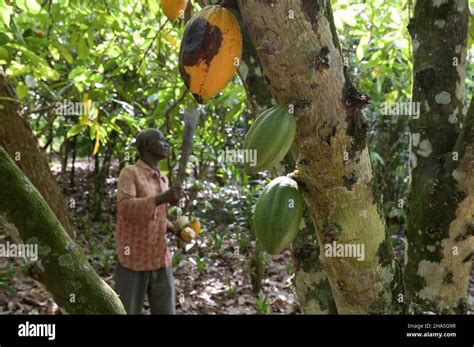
x=171, y=196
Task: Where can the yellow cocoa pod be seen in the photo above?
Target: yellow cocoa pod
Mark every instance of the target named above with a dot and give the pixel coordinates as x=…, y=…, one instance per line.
x=173, y=8
x=181, y=222
x=210, y=52
x=195, y=224
x=187, y=234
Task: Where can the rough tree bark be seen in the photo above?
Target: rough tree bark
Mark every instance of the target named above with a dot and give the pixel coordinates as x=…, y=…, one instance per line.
x=441, y=201
x=62, y=267
x=330, y=150
x=312, y=286
x=18, y=139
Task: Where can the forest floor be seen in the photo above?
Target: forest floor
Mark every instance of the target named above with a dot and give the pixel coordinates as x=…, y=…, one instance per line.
x=210, y=277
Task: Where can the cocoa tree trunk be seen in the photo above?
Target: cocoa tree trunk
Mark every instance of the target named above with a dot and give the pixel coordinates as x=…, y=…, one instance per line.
x=18, y=139
x=291, y=38
x=441, y=201
x=61, y=265
x=312, y=286
x=313, y=290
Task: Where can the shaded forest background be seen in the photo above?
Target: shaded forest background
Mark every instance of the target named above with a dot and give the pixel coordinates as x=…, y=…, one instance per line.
x=123, y=61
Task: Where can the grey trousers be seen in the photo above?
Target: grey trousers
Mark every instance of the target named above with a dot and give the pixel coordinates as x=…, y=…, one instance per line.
x=132, y=286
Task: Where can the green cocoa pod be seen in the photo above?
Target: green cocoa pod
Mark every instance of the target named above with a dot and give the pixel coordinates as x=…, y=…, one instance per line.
x=278, y=214
x=270, y=136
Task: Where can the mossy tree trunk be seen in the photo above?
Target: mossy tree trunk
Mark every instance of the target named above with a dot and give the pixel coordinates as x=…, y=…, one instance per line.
x=61, y=265
x=17, y=137
x=441, y=200
x=312, y=286
x=291, y=38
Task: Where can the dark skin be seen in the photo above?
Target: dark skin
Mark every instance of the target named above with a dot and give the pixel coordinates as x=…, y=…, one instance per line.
x=153, y=147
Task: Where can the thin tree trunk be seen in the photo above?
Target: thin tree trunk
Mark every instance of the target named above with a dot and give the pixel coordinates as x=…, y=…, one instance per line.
x=62, y=266
x=73, y=162
x=334, y=169
x=18, y=140
x=65, y=148
x=101, y=172
x=312, y=286
x=441, y=201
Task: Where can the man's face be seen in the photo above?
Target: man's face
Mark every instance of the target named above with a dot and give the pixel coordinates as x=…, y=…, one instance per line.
x=157, y=145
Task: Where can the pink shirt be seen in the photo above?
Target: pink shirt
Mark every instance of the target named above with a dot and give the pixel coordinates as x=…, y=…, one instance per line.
x=140, y=232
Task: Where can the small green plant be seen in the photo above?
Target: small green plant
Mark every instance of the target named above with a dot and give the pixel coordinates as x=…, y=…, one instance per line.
x=289, y=269
x=200, y=264
x=261, y=302
x=218, y=238
x=177, y=257
x=5, y=277
x=232, y=291
x=104, y=260
x=243, y=243
x=94, y=248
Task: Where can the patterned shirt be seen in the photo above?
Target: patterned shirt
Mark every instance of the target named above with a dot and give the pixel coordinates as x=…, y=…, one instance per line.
x=140, y=232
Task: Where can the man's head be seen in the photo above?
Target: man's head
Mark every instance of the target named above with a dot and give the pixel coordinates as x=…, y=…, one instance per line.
x=152, y=143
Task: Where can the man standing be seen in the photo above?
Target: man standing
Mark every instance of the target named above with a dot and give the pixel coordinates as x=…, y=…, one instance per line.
x=143, y=198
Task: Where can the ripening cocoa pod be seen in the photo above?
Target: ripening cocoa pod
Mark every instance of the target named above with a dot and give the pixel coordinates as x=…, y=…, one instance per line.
x=210, y=52
x=173, y=8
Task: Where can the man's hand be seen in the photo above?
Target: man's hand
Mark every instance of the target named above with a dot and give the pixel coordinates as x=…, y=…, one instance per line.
x=170, y=228
x=171, y=196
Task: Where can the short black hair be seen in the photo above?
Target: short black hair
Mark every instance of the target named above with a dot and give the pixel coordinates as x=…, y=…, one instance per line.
x=143, y=137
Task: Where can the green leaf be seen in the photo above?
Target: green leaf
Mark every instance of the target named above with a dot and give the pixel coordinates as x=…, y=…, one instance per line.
x=235, y=112
x=65, y=53
x=15, y=69
x=6, y=12
x=76, y=129
x=21, y=90
x=79, y=74
x=73, y=39
x=30, y=6
x=153, y=6
x=54, y=52
x=82, y=48
x=29, y=55
x=130, y=121
x=362, y=47
x=47, y=73
x=90, y=38
x=115, y=127
x=4, y=54
x=4, y=38
x=16, y=31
